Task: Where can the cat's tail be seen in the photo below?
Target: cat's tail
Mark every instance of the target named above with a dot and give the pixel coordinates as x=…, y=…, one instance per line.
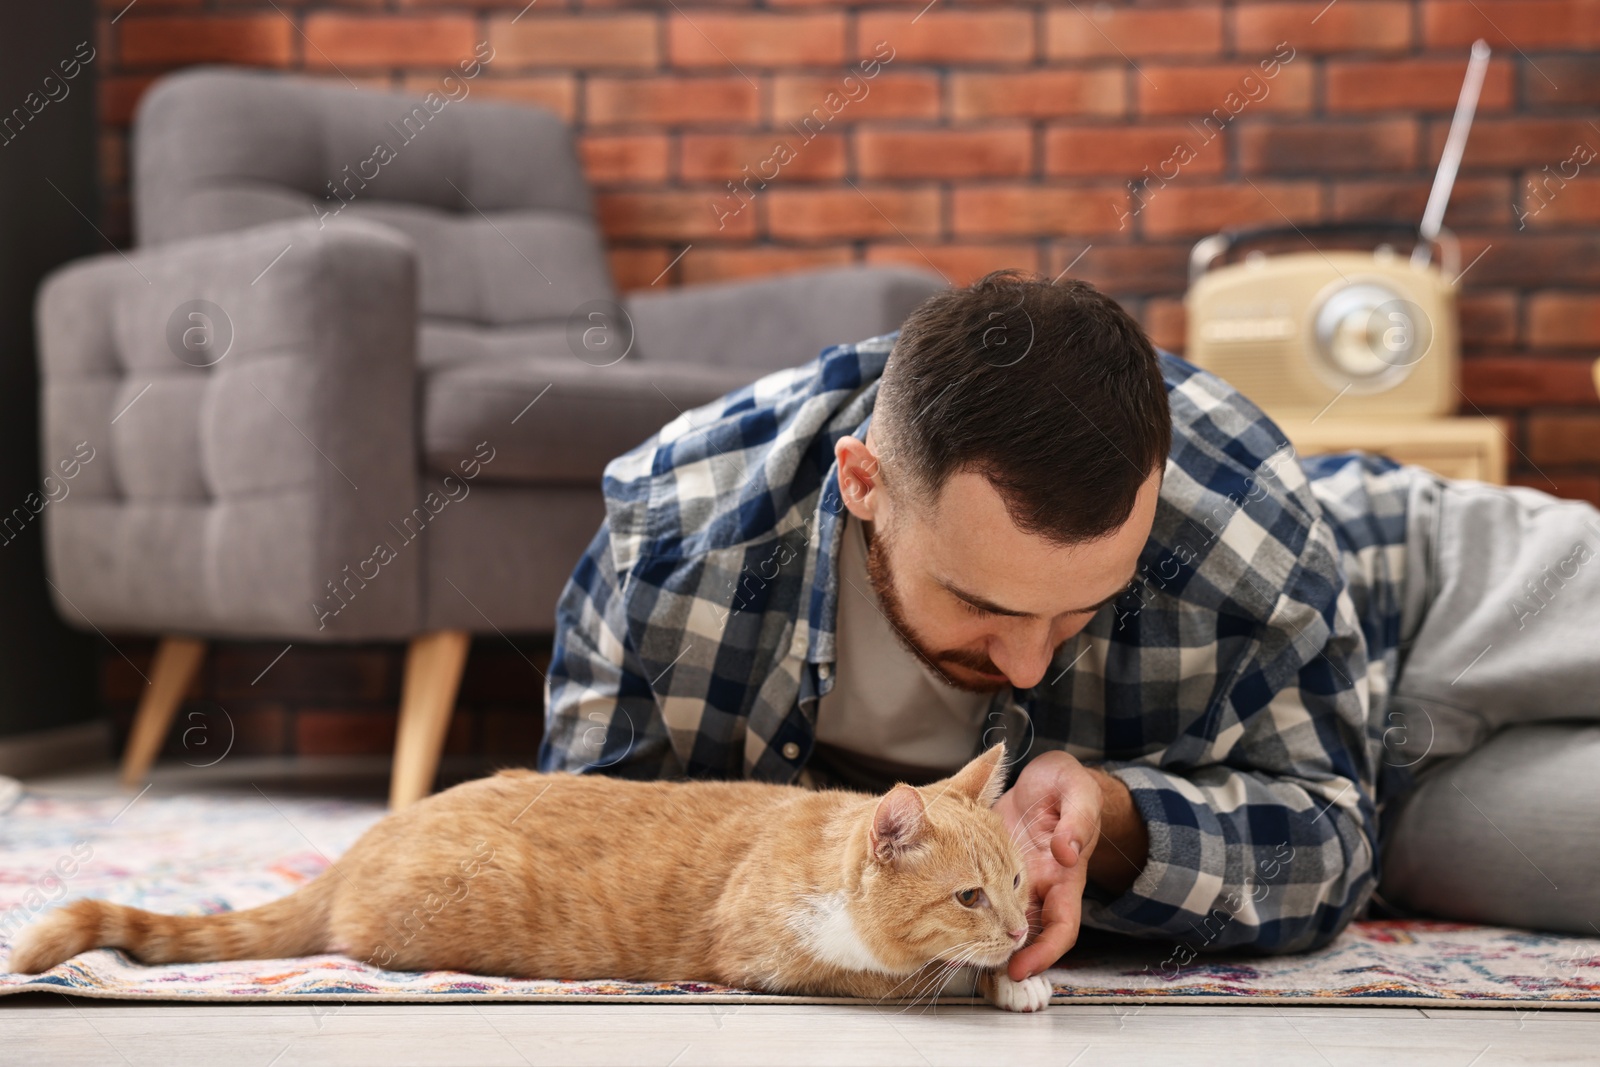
x=296, y=925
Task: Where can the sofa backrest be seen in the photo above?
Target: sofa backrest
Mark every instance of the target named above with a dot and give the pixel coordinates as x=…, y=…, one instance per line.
x=490, y=194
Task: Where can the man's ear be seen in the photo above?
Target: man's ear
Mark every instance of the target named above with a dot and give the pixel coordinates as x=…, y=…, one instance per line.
x=984, y=779
x=859, y=481
x=898, y=824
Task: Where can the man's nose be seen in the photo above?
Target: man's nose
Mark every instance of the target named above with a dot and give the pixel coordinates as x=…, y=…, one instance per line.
x=1024, y=657
x=1023, y=662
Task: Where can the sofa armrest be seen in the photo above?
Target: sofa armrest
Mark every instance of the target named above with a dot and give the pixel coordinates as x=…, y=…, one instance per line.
x=242, y=413
x=772, y=323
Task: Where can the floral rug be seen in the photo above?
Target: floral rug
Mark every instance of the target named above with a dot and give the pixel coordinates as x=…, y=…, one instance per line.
x=201, y=854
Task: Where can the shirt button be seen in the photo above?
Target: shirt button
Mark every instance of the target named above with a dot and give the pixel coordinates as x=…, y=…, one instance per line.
x=825, y=671
x=791, y=750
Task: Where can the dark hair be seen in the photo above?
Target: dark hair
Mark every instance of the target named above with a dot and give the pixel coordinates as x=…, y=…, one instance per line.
x=1050, y=390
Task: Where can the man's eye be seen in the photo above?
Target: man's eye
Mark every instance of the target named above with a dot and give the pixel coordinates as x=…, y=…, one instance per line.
x=969, y=898
x=973, y=609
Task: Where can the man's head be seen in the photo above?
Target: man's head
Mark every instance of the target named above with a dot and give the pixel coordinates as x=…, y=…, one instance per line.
x=1010, y=473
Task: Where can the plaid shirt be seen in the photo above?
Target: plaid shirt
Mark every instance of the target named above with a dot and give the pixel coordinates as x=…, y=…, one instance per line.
x=1238, y=688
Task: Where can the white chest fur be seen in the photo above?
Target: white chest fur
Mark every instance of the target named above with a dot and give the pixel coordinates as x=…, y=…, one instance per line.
x=828, y=931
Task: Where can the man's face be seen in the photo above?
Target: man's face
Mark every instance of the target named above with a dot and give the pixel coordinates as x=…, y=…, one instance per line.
x=983, y=603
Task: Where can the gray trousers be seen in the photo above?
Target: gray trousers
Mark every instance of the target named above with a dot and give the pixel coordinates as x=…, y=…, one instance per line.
x=1500, y=681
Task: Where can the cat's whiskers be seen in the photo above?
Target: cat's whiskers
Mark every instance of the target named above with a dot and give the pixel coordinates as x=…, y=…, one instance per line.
x=924, y=968
x=933, y=1001
x=935, y=976
x=928, y=977
x=1022, y=833
x=1026, y=827
x=951, y=970
x=948, y=972
x=973, y=944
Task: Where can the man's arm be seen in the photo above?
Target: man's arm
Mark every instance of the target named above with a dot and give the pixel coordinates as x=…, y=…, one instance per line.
x=1124, y=839
x=1244, y=859
x=600, y=713
x=1266, y=841
x=1265, y=838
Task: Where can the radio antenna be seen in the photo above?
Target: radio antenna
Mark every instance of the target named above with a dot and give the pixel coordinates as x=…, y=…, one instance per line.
x=1450, y=160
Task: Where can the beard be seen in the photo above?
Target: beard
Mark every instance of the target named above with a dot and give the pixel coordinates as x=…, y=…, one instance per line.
x=880, y=573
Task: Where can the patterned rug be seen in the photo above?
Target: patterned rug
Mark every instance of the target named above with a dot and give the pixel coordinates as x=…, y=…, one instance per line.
x=203, y=854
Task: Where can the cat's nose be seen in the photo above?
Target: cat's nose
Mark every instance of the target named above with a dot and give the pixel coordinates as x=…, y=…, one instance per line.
x=1019, y=936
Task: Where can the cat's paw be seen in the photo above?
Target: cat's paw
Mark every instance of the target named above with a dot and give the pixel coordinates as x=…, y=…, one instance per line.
x=1030, y=994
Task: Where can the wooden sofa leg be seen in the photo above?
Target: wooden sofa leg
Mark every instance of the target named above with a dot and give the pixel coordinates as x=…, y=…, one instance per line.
x=427, y=697
x=176, y=661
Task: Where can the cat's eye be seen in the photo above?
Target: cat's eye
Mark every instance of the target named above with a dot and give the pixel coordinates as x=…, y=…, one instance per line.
x=1016, y=883
x=969, y=898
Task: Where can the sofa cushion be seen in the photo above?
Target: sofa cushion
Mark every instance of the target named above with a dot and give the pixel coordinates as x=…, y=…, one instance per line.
x=550, y=418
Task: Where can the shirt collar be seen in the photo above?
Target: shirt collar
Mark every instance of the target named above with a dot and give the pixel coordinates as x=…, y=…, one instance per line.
x=826, y=541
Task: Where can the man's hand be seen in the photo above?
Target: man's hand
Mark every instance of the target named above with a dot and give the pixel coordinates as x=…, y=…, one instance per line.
x=1059, y=811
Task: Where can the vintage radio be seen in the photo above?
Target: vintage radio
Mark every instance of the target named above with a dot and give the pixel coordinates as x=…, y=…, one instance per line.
x=1373, y=332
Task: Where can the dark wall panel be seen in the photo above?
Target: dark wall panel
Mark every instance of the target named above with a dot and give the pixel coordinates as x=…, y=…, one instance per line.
x=49, y=211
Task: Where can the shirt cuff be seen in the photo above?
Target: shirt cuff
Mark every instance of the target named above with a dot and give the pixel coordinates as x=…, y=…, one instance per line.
x=1179, y=883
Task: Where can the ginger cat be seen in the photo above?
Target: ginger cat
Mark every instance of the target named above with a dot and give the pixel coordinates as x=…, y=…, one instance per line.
x=763, y=887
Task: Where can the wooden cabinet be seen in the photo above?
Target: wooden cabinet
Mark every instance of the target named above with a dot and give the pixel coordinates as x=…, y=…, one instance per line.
x=1456, y=448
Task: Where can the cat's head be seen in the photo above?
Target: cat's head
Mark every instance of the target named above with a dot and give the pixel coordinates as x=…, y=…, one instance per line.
x=942, y=878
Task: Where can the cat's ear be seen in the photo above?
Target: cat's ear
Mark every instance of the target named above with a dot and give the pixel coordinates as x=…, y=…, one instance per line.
x=984, y=779
x=898, y=824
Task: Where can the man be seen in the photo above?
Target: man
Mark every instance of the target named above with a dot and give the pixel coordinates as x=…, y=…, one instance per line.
x=1016, y=521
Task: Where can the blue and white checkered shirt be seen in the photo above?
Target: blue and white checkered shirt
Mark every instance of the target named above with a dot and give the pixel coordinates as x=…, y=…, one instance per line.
x=1238, y=689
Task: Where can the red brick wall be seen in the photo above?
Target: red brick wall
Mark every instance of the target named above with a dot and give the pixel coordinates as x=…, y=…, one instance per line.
x=1006, y=133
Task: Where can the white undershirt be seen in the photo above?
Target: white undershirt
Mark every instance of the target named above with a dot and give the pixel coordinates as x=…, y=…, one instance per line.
x=886, y=703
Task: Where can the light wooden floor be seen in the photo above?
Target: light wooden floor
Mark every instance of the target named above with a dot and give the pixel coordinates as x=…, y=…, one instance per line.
x=46, y=1029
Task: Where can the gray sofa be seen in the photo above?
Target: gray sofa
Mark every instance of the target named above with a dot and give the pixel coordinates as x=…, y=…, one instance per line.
x=338, y=394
